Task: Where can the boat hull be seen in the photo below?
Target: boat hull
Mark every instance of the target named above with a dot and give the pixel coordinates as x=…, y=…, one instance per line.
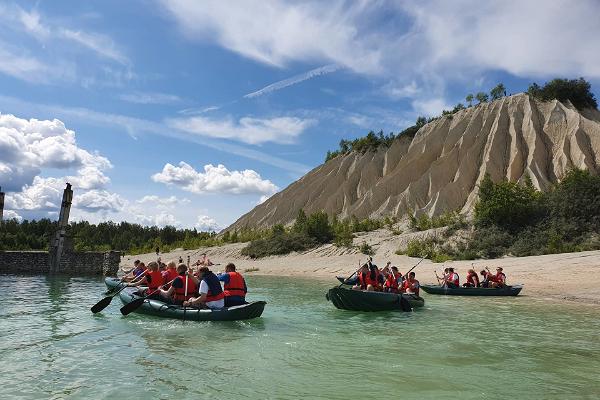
x=463, y=291
x=161, y=309
x=358, y=300
x=113, y=283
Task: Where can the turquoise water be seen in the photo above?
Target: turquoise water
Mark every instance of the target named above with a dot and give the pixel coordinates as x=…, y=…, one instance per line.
x=467, y=348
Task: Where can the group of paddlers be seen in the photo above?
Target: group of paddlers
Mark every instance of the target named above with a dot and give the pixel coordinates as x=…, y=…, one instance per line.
x=388, y=279
x=175, y=283
x=451, y=279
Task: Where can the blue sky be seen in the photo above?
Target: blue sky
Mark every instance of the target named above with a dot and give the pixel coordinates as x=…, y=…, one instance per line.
x=189, y=113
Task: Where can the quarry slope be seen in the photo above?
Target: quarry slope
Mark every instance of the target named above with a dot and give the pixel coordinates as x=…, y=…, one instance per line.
x=440, y=168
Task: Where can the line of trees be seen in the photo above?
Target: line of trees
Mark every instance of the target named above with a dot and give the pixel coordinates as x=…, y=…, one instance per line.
x=123, y=236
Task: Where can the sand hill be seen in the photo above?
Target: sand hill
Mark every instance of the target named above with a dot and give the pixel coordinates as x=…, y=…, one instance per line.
x=441, y=167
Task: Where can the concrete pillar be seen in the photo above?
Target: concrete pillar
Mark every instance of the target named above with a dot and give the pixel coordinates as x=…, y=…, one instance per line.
x=58, y=241
x=1, y=203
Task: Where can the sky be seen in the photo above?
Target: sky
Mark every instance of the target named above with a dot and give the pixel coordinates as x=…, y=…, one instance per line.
x=190, y=113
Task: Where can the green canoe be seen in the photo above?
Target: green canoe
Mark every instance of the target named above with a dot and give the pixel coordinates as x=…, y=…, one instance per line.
x=113, y=283
x=162, y=309
x=472, y=291
x=358, y=300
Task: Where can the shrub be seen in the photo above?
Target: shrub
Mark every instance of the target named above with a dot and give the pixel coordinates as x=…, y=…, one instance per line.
x=423, y=222
x=507, y=204
x=577, y=91
x=366, y=249
x=278, y=244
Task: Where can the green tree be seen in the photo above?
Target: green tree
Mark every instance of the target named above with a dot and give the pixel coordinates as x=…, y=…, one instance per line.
x=469, y=99
x=577, y=91
x=498, y=92
x=301, y=223
x=481, y=97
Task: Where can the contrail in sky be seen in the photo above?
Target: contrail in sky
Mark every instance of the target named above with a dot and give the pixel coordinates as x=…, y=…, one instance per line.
x=327, y=69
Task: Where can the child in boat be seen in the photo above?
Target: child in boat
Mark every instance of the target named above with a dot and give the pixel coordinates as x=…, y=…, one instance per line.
x=485, y=282
x=210, y=292
x=369, y=279
x=171, y=272
x=452, y=280
x=138, y=268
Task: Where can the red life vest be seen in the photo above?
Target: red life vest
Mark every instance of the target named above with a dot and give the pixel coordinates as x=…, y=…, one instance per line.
x=454, y=278
x=170, y=274
x=413, y=287
x=473, y=279
x=365, y=280
x=500, y=277
x=391, y=282
x=179, y=293
x=236, y=285
x=215, y=292
x=154, y=279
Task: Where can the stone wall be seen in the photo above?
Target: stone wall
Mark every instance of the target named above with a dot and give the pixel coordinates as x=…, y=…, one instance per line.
x=71, y=263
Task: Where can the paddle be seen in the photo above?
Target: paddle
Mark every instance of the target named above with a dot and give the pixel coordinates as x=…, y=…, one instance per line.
x=102, y=304
x=350, y=277
x=415, y=266
x=135, y=304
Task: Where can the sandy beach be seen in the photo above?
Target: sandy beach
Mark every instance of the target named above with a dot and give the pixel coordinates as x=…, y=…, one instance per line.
x=566, y=277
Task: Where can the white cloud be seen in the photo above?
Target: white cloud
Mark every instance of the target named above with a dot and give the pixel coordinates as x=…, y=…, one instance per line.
x=27, y=146
x=99, y=200
x=214, y=179
x=430, y=107
x=133, y=126
x=262, y=199
x=327, y=69
x=10, y=214
x=18, y=64
x=404, y=90
x=277, y=32
x=248, y=130
x=207, y=224
x=150, y=98
x=167, y=201
x=162, y=219
x=96, y=42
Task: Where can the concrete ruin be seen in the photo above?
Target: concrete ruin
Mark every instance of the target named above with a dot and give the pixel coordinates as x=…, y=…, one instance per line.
x=61, y=258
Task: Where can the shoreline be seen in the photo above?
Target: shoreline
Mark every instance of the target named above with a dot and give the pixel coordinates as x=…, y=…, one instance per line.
x=564, y=277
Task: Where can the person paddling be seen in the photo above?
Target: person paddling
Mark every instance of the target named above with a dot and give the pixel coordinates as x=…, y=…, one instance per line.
x=234, y=286
x=152, y=278
x=181, y=289
x=451, y=280
x=393, y=281
x=171, y=272
x=498, y=280
x=210, y=292
x=138, y=269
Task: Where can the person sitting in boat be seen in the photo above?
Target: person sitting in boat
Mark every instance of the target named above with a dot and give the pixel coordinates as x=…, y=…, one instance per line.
x=451, y=280
x=411, y=285
x=393, y=280
x=472, y=279
x=204, y=261
x=498, y=280
x=152, y=278
x=171, y=272
x=182, y=288
x=210, y=292
x=369, y=278
x=138, y=269
x=485, y=278
x=234, y=286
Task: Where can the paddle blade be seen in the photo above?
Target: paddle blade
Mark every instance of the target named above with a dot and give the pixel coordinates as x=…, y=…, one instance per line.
x=101, y=305
x=134, y=305
x=404, y=304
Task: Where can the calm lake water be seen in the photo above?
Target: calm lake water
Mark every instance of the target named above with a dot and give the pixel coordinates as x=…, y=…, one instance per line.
x=302, y=347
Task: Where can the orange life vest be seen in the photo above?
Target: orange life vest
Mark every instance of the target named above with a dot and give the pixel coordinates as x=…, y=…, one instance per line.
x=412, y=286
x=215, y=292
x=179, y=293
x=154, y=279
x=473, y=279
x=391, y=282
x=236, y=285
x=365, y=280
